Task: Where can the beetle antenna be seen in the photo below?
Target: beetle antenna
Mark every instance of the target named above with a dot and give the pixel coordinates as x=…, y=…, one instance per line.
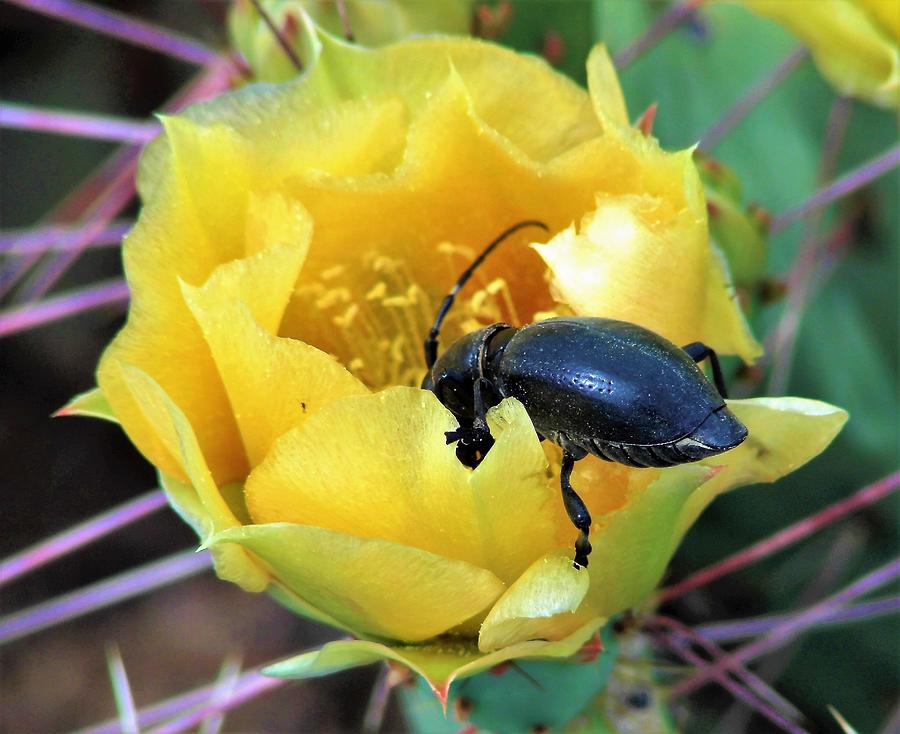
x=431, y=343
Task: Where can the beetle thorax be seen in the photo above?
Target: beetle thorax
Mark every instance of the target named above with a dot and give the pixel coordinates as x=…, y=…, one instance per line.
x=459, y=367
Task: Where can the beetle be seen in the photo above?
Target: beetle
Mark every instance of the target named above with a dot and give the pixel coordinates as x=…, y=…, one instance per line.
x=592, y=385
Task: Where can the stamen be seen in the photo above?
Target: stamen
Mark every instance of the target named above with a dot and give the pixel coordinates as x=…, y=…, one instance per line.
x=381, y=314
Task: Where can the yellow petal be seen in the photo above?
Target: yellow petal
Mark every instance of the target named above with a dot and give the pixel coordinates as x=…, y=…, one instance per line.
x=514, y=502
x=273, y=383
x=231, y=563
x=278, y=233
x=636, y=259
x=199, y=502
x=603, y=84
x=634, y=544
x=885, y=13
x=204, y=179
x=852, y=49
x=291, y=600
x=784, y=434
x=541, y=604
x=723, y=321
x=177, y=435
x=374, y=466
x=521, y=98
x=440, y=664
x=213, y=166
x=374, y=586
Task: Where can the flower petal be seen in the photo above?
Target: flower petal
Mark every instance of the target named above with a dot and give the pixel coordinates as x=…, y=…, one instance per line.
x=627, y=247
x=852, y=50
x=204, y=181
x=603, y=84
x=231, y=562
x=515, y=507
x=199, y=502
x=277, y=240
x=520, y=97
x=374, y=586
x=885, y=13
x=374, y=466
x=723, y=321
x=634, y=544
x=784, y=434
x=541, y=604
x=273, y=383
x=440, y=664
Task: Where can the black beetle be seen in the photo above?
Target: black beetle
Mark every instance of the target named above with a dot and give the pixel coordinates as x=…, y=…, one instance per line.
x=591, y=385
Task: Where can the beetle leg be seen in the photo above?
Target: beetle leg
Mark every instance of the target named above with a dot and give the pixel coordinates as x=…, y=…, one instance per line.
x=698, y=351
x=576, y=509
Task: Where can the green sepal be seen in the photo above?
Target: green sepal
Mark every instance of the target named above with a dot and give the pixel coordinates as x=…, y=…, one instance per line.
x=523, y=696
x=441, y=663
x=90, y=404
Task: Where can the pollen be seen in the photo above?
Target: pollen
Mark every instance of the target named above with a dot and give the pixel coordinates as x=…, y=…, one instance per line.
x=378, y=314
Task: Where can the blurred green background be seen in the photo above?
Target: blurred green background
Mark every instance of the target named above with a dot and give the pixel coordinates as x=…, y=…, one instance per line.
x=59, y=472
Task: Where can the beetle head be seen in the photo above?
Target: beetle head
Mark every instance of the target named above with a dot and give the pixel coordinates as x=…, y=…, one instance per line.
x=456, y=370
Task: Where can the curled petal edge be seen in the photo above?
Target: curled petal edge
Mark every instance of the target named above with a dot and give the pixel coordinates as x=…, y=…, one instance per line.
x=440, y=663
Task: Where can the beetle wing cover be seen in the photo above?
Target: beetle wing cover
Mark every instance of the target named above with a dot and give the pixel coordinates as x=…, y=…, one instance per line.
x=604, y=379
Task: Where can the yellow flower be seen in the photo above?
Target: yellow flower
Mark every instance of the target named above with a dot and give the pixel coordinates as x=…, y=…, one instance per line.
x=855, y=43
x=372, y=22
x=294, y=244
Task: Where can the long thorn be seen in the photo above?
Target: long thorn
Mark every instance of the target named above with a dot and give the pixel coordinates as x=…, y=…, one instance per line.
x=213, y=79
x=741, y=629
x=662, y=27
x=345, y=19
x=105, y=593
x=795, y=626
x=171, y=707
x=100, y=189
x=86, y=195
x=378, y=701
x=282, y=41
x=21, y=318
x=121, y=690
x=117, y=196
x=76, y=537
x=847, y=184
x=751, y=98
x=76, y=124
x=753, y=682
x=58, y=238
x=123, y=27
x=816, y=252
x=737, y=690
x=841, y=553
x=229, y=675
x=252, y=689
x=789, y=535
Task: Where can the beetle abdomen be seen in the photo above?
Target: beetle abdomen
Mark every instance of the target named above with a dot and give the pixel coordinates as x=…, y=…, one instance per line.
x=616, y=390
x=604, y=379
x=720, y=432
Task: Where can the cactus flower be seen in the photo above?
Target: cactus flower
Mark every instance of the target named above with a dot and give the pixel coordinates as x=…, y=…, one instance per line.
x=855, y=43
x=372, y=22
x=294, y=244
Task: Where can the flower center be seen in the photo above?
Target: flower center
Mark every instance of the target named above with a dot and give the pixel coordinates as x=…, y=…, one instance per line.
x=375, y=318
